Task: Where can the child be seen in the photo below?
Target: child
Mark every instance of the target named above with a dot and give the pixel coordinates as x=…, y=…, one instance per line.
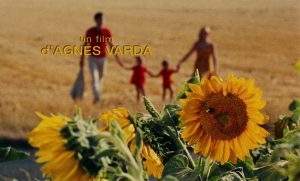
x=166, y=74
x=138, y=77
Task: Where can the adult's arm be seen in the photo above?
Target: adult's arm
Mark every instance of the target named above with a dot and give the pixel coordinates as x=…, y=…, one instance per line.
x=116, y=55
x=176, y=70
x=126, y=68
x=187, y=55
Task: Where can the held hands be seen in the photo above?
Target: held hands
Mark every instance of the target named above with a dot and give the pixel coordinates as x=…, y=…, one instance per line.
x=150, y=74
x=119, y=61
x=178, y=67
x=122, y=65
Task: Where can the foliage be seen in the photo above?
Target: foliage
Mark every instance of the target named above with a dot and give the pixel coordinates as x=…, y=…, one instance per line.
x=276, y=160
x=103, y=153
x=280, y=157
x=107, y=153
x=9, y=154
x=160, y=130
x=178, y=167
x=193, y=80
x=134, y=168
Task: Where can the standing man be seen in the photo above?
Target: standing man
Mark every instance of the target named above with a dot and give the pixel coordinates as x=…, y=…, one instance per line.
x=96, y=37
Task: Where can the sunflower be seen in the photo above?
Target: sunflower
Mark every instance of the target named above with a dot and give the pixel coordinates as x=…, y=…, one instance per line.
x=60, y=164
x=222, y=118
x=152, y=162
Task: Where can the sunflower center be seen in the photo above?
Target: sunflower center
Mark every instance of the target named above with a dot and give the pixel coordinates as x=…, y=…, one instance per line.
x=223, y=117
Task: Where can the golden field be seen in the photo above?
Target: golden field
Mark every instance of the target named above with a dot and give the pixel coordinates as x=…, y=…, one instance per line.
x=256, y=39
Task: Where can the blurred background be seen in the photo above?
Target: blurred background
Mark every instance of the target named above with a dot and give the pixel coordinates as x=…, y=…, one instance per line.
x=256, y=39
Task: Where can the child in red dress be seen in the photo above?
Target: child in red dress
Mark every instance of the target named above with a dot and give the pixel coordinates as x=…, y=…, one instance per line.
x=166, y=74
x=138, y=77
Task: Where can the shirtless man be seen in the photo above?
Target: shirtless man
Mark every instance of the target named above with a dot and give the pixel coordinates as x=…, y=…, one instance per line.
x=204, y=50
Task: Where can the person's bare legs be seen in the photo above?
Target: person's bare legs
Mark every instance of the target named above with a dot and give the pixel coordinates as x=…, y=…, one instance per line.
x=137, y=93
x=142, y=90
x=171, y=93
x=164, y=94
x=205, y=74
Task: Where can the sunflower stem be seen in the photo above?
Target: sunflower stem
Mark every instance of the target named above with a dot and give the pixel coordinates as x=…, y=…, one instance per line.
x=208, y=169
x=188, y=154
x=180, y=145
x=191, y=160
x=179, y=142
x=200, y=166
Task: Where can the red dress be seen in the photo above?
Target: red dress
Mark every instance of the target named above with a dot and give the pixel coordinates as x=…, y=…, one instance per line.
x=138, y=76
x=166, y=75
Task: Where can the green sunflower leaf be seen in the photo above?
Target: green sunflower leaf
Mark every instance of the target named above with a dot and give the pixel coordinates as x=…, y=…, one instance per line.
x=138, y=141
x=243, y=168
x=170, y=117
x=169, y=178
x=270, y=172
x=150, y=108
x=194, y=80
x=9, y=154
x=234, y=175
x=296, y=115
x=294, y=105
x=178, y=167
x=248, y=166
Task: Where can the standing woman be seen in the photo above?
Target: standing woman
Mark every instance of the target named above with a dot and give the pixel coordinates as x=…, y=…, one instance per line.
x=205, y=51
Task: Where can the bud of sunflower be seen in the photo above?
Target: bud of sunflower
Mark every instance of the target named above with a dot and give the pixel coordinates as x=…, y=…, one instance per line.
x=156, y=147
x=279, y=127
x=152, y=162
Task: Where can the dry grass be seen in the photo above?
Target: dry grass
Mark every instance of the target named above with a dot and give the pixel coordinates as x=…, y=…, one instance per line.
x=254, y=39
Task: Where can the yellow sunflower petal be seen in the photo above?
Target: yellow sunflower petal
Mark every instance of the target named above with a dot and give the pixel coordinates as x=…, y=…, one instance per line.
x=195, y=88
x=229, y=116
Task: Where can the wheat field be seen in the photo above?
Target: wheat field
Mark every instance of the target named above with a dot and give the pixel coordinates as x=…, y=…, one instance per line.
x=256, y=39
